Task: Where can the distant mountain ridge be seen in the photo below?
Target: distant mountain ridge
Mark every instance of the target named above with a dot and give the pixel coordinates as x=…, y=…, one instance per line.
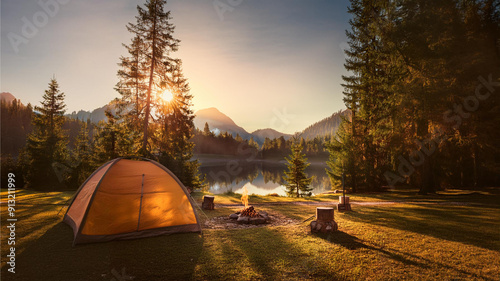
x=261, y=134
x=95, y=115
x=219, y=122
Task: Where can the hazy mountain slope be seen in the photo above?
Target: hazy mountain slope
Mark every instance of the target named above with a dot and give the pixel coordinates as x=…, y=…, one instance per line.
x=218, y=122
x=95, y=116
x=7, y=97
x=327, y=126
x=262, y=134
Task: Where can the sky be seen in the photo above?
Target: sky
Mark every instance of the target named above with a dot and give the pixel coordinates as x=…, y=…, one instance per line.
x=266, y=64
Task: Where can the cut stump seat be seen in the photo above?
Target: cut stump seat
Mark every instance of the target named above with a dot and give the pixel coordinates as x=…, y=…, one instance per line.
x=343, y=205
x=208, y=202
x=324, y=220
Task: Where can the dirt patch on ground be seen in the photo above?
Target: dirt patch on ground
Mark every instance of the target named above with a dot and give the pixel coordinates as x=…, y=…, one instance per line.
x=224, y=222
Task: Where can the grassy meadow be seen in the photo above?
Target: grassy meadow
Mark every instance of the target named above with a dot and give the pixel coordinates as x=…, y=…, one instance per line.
x=454, y=235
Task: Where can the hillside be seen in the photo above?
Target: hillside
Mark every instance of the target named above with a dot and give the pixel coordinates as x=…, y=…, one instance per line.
x=327, y=126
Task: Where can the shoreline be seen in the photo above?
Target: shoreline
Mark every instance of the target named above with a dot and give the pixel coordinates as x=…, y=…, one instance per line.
x=219, y=160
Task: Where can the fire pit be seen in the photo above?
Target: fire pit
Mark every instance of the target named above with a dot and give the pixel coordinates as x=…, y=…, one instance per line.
x=249, y=215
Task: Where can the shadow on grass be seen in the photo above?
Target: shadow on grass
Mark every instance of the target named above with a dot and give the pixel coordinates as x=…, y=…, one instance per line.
x=353, y=243
x=477, y=226
x=51, y=257
x=342, y=239
x=264, y=254
x=484, y=196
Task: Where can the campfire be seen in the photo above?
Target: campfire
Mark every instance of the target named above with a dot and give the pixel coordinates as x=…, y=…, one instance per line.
x=249, y=214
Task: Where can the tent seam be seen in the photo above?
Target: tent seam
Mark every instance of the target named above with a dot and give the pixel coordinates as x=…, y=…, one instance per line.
x=83, y=184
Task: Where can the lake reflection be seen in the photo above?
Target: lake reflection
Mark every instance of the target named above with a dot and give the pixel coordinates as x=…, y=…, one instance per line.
x=260, y=178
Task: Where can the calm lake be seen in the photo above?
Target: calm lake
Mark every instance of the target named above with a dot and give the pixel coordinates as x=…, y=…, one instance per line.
x=260, y=177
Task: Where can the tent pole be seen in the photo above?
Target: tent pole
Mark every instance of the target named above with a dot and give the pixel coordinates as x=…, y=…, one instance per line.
x=140, y=204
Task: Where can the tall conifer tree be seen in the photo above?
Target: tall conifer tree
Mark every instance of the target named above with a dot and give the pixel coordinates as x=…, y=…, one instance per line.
x=142, y=72
x=297, y=181
x=46, y=150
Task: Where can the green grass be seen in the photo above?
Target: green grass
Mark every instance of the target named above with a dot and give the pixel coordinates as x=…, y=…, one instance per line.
x=489, y=196
x=425, y=238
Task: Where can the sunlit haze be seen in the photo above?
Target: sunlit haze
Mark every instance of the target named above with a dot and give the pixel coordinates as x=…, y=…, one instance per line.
x=263, y=63
x=167, y=96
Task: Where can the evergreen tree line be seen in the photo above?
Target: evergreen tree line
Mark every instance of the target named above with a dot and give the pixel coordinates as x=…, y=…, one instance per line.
x=18, y=122
x=16, y=126
x=423, y=92
x=312, y=147
x=49, y=151
x=206, y=142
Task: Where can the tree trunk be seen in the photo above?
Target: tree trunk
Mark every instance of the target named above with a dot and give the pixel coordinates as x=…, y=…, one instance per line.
x=148, y=99
x=474, y=155
x=426, y=176
x=297, y=186
x=353, y=165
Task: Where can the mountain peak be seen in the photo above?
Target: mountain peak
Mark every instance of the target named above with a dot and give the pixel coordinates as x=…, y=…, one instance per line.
x=210, y=109
x=218, y=121
x=213, y=117
x=7, y=97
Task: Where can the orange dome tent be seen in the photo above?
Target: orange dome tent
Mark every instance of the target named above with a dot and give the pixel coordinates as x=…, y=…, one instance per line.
x=126, y=199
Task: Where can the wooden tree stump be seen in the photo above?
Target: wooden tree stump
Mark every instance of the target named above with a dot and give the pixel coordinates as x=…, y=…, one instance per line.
x=343, y=205
x=341, y=199
x=324, y=220
x=324, y=214
x=208, y=202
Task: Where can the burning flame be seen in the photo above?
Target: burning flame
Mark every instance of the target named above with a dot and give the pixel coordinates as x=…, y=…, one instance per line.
x=244, y=197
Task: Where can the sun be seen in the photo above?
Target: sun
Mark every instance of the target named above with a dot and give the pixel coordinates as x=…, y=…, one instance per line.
x=167, y=96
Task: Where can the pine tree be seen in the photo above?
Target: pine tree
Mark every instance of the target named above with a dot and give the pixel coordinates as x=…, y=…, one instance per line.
x=46, y=152
x=82, y=157
x=132, y=87
x=175, y=121
x=143, y=71
x=112, y=139
x=206, y=130
x=341, y=156
x=253, y=143
x=297, y=181
x=410, y=62
x=359, y=89
x=371, y=92
x=238, y=138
